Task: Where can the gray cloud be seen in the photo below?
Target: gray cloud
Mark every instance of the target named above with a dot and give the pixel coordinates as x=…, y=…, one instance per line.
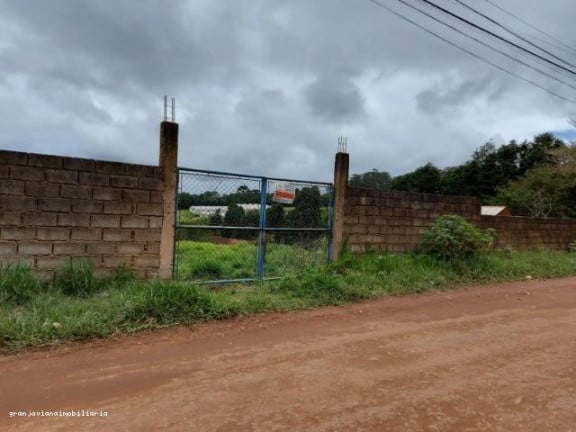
x=455, y=94
x=262, y=86
x=334, y=99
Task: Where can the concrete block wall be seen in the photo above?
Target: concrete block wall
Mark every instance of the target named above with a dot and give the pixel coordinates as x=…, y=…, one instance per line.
x=54, y=209
x=371, y=220
x=391, y=221
x=531, y=233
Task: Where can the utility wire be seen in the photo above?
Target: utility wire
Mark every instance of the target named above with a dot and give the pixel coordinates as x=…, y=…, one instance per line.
x=513, y=33
x=481, y=42
x=553, y=45
x=511, y=51
x=473, y=54
x=498, y=42
x=532, y=26
x=476, y=26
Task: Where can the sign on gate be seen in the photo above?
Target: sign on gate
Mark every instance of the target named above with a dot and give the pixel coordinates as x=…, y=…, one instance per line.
x=284, y=193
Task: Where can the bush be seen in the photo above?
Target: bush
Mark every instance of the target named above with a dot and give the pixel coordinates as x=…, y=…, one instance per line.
x=452, y=237
x=572, y=247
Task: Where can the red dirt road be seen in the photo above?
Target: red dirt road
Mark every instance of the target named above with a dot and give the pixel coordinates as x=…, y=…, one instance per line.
x=498, y=358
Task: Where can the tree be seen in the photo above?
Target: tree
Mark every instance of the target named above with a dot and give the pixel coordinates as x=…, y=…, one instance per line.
x=372, y=180
x=275, y=216
x=492, y=167
x=208, y=198
x=424, y=179
x=452, y=181
x=234, y=215
x=244, y=195
x=542, y=192
x=215, y=219
x=564, y=160
x=538, y=152
x=307, y=211
x=185, y=201
x=251, y=218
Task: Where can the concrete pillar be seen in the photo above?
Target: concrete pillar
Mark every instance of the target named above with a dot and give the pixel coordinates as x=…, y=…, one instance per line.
x=169, y=164
x=341, y=169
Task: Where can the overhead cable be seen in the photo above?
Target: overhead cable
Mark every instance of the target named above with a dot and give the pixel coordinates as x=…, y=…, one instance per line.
x=513, y=33
x=491, y=33
x=473, y=54
x=532, y=26
x=483, y=43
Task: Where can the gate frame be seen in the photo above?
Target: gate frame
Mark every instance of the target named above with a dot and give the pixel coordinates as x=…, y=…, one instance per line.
x=262, y=229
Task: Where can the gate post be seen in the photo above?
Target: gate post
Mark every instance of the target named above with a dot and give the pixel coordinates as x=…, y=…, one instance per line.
x=262, y=230
x=341, y=168
x=169, y=166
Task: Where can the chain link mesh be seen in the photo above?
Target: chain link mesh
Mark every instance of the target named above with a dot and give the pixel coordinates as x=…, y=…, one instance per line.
x=227, y=229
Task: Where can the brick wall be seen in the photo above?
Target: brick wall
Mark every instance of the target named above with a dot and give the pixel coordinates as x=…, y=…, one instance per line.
x=53, y=209
x=391, y=221
x=531, y=233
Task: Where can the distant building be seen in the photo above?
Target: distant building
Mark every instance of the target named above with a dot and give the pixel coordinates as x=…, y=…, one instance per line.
x=495, y=211
x=210, y=210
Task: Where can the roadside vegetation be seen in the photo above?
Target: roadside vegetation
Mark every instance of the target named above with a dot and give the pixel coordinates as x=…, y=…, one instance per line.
x=76, y=305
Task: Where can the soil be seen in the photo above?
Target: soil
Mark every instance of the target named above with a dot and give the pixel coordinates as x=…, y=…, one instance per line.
x=487, y=358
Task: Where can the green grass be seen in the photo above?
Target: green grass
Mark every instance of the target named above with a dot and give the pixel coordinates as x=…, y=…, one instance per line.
x=186, y=217
x=77, y=306
x=17, y=286
x=204, y=260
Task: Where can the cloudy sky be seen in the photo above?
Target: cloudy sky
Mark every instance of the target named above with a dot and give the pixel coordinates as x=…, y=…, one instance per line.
x=266, y=86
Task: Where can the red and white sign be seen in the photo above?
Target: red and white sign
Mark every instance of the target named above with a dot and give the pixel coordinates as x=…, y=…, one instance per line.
x=284, y=194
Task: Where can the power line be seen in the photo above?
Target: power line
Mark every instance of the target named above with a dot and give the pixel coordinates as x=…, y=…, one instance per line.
x=501, y=43
x=506, y=46
x=421, y=27
x=513, y=33
x=515, y=45
x=553, y=45
x=481, y=42
x=532, y=26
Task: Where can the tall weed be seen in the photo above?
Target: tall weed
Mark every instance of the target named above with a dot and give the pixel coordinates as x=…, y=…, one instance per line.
x=17, y=285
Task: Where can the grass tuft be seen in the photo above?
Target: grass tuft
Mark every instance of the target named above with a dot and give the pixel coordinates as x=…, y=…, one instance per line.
x=77, y=279
x=173, y=302
x=17, y=286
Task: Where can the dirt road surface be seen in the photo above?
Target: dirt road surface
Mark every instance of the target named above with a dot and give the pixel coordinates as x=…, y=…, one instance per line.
x=490, y=358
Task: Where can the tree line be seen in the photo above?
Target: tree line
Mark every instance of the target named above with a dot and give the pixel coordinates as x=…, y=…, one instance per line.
x=242, y=195
x=309, y=210
x=533, y=178
x=306, y=212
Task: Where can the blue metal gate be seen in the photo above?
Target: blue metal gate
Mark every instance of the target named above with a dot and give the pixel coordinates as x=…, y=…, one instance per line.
x=234, y=228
